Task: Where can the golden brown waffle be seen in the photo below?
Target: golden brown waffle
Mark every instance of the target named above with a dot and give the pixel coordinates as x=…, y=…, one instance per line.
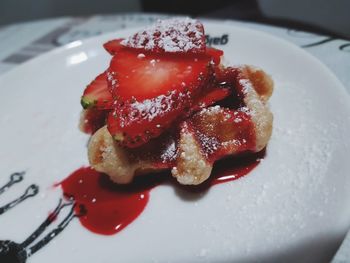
x=205, y=137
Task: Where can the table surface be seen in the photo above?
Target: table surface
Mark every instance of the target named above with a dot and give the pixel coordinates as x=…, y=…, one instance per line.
x=21, y=42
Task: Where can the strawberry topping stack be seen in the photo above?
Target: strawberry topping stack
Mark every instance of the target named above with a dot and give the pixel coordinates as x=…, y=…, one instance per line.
x=167, y=102
x=156, y=78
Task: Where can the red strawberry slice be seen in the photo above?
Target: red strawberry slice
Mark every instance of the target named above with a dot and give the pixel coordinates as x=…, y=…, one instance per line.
x=139, y=76
x=215, y=54
x=177, y=35
x=113, y=46
x=211, y=97
x=157, y=77
x=92, y=119
x=97, y=94
x=135, y=123
x=152, y=91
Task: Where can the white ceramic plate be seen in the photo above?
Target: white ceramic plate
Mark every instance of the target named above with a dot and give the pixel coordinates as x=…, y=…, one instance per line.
x=295, y=206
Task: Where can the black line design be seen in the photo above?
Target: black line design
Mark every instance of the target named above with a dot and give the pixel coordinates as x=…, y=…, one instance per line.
x=12, y=252
x=14, y=178
x=318, y=42
x=44, y=224
x=31, y=191
x=345, y=47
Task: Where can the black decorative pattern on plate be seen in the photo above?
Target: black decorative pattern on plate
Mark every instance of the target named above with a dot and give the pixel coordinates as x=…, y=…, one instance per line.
x=317, y=40
x=31, y=191
x=12, y=252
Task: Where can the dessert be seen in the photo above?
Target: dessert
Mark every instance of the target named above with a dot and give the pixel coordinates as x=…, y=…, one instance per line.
x=167, y=102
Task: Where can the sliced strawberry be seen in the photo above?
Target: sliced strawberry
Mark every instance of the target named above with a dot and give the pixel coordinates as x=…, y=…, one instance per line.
x=173, y=35
x=156, y=76
x=142, y=76
x=92, y=119
x=152, y=91
x=113, y=46
x=215, y=54
x=97, y=94
x=134, y=123
x=211, y=97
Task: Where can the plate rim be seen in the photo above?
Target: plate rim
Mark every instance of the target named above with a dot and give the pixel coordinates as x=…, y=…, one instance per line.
x=227, y=23
x=112, y=35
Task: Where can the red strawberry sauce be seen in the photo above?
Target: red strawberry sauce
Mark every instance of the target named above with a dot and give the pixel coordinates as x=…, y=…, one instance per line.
x=111, y=207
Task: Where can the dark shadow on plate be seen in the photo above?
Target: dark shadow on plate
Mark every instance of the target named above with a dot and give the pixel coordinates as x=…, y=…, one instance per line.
x=190, y=193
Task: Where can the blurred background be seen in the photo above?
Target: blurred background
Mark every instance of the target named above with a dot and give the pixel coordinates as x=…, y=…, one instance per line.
x=319, y=16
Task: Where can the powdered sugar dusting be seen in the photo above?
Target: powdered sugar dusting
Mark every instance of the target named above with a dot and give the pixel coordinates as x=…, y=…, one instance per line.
x=212, y=110
x=209, y=144
x=106, y=151
x=244, y=109
x=218, y=130
x=172, y=35
x=150, y=109
x=111, y=78
x=159, y=105
x=169, y=153
x=246, y=85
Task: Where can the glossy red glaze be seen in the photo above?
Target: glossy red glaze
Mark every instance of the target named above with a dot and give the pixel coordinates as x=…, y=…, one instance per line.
x=111, y=207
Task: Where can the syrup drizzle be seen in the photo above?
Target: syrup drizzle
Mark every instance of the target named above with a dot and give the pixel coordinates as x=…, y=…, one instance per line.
x=111, y=207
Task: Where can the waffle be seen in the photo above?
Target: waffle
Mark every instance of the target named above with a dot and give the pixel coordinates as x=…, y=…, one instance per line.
x=240, y=123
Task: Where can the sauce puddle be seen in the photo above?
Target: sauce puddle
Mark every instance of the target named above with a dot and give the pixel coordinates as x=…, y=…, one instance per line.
x=111, y=207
